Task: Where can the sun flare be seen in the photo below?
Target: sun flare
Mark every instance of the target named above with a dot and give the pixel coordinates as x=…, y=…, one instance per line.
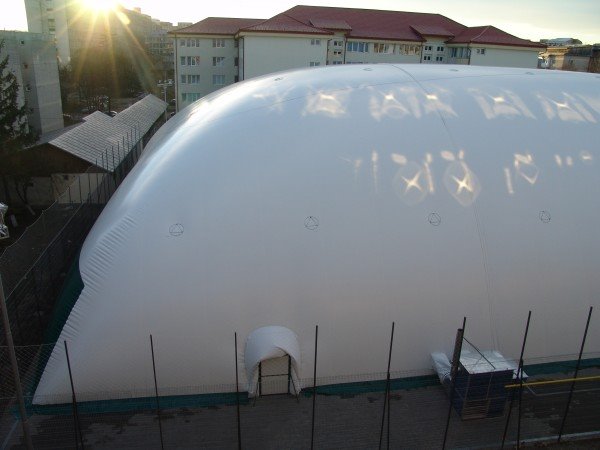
x=100, y=5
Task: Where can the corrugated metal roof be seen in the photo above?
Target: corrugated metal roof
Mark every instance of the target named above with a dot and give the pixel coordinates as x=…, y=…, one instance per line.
x=141, y=115
x=103, y=140
x=47, y=137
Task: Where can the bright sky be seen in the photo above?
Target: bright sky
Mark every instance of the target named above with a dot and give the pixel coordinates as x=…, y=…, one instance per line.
x=530, y=19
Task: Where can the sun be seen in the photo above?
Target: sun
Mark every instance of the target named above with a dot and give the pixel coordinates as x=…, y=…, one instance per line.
x=100, y=5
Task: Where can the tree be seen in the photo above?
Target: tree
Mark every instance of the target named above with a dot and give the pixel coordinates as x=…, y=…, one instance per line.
x=101, y=73
x=15, y=132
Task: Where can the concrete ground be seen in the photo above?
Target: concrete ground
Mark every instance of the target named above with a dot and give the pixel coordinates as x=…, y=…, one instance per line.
x=418, y=420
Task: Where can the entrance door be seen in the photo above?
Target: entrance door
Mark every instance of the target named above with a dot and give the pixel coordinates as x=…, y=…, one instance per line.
x=274, y=376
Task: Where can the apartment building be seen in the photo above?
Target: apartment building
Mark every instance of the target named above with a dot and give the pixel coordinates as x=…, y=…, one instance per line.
x=74, y=27
x=50, y=17
x=32, y=58
x=216, y=52
x=576, y=58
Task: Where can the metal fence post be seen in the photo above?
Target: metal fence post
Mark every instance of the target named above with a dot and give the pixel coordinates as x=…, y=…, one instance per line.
x=237, y=396
x=587, y=325
x=74, y=399
x=512, y=396
x=162, y=446
x=386, y=400
x=89, y=196
x=312, y=431
x=455, y=362
x=15, y=369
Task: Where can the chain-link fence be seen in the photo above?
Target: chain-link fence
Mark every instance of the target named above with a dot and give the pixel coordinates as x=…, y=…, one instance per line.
x=558, y=395
x=34, y=268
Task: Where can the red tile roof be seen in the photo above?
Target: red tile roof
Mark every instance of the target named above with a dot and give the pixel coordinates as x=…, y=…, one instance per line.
x=360, y=24
x=217, y=25
x=330, y=24
x=432, y=30
x=376, y=24
x=283, y=23
x=492, y=36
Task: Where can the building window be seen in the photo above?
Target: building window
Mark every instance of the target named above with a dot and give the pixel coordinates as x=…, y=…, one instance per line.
x=218, y=61
x=236, y=43
x=383, y=48
x=481, y=51
x=427, y=58
x=460, y=52
x=218, y=43
x=439, y=58
x=193, y=61
x=189, y=96
x=182, y=59
x=193, y=79
x=428, y=48
x=182, y=43
x=406, y=49
x=440, y=49
x=183, y=78
x=337, y=53
x=314, y=63
x=315, y=42
x=335, y=63
x=218, y=80
x=236, y=61
x=338, y=43
x=361, y=47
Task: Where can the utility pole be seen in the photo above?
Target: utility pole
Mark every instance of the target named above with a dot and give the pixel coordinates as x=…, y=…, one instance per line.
x=164, y=84
x=15, y=369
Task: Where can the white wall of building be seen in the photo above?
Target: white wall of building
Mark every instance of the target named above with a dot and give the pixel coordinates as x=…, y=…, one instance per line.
x=50, y=17
x=504, y=57
x=262, y=53
x=32, y=58
x=199, y=67
x=271, y=53
x=434, y=52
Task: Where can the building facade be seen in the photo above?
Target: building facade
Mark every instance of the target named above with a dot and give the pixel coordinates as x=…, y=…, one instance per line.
x=216, y=52
x=575, y=58
x=50, y=17
x=32, y=58
x=75, y=27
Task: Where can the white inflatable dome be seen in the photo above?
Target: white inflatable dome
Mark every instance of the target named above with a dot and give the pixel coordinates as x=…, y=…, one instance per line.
x=348, y=197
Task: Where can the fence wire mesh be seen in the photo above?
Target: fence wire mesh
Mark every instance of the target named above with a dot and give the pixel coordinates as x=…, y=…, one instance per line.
x=348, y=413
x=34, y=268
